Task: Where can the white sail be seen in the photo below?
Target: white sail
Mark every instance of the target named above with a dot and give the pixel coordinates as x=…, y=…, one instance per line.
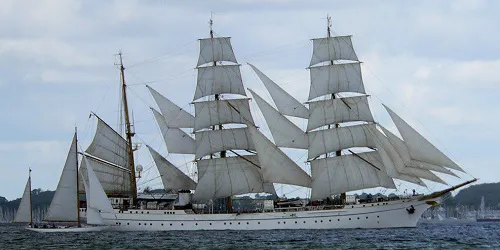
x=23, y=213
x=424, y=174
x=332, y=49
x=171, y=176
x=215, y=50
x=219, y=112
x=428, y=166
x=93, y=216
x=175, y=116
x=177, y=141
x=108, y=145
x=332, y=111
x=224, y=177
x=276, y=166
x=336, y=175
x=220, y=79
x=286, y=104
x=97, y=201
x=211, y=141
x=64, y=205
x=334, y=139
x=285, y=133
x=419, y=147
x=336, y=78
x=394, y=165
x=115, y=180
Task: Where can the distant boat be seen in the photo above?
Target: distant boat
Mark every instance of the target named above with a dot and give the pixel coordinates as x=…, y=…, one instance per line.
x=483, y=217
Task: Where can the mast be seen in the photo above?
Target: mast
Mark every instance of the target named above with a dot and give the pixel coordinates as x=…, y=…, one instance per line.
x=339, y=152
x=229, y=203
x=129, y=133
x=31, y=208
x=77, y=195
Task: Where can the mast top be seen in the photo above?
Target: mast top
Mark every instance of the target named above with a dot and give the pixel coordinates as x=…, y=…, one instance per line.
x=211, y=22
x=328, y=24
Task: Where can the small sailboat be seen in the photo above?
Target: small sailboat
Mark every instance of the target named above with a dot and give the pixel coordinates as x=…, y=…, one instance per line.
x=64, y=207
x=24, y=212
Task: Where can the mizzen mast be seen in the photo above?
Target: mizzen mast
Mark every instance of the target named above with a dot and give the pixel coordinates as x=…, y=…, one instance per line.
x=128, y=131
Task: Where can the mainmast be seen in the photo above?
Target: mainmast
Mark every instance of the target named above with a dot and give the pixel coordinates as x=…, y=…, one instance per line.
x=77, y=187
x=128, y=132
x=229, y=203
x=338, y=152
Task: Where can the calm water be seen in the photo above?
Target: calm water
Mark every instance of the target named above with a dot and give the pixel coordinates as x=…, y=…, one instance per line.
x=427, y=236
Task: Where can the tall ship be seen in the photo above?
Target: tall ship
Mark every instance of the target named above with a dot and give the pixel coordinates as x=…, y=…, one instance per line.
x=347, y=150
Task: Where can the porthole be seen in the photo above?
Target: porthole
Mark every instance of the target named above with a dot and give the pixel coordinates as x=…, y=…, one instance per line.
x=182, y=224
x=295, y=222
x=315, y=221
x=139, y=224
x=173, y=212
x=128, y=223
x=358, y=218
x=164, y=212
x=230, y=223
x=321, y=221
x=304, y=222
x=349, y=218
x=278, y=222
x=378, y=216
x=258, y=222
x=239, y=223
x=372, y=205
x=367, y=217
x=378, y=204
x=147, y=212
x=247, y=223
x=364, y=206
x=224, y=223
x=162, y=224
x=135, y=211
x=170, y=224
x=284, y=222
x=130, y=211
x=352, y=206
x=196, y=224
x=329, y=220
x=338, y=219
x=142, y=212
x=116, y=223
x=210, y=223
x=150, y=224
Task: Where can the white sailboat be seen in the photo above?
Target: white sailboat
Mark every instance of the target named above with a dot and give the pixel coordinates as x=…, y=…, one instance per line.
x=233, y=157
x=24, y=213
x=65, y=203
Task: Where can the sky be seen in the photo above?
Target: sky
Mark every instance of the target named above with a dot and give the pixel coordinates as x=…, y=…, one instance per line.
x=433, y=62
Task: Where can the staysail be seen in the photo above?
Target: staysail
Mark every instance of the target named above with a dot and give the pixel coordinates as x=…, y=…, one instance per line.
x=171, y=176
x=64, y=206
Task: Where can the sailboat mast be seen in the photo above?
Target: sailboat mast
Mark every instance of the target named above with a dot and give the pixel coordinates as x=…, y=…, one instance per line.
x=128, y=131
x=77, y=187
x=31, y=208
x=229, y=202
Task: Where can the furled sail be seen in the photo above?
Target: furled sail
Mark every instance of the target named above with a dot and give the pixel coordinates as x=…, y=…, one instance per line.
x=336, y=78
x=212, y=141
x=276, y=166
x=175, y=116
x=334, y=139
x=97, y=201
x=110, y=157
x=339, y=110
x=216, y=50
x=220, y=112
x=177, y=141
x=286, y=104
x=285, y=133
x=224, y=177
x=64, y=206
x=335, y=175
x=419, y=147
x=220, y=79
x=23, y=213
x=171, y=176
x=332, y=49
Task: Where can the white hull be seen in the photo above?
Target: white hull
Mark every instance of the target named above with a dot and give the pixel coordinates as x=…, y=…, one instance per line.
x=70, y=229
x=373, y=215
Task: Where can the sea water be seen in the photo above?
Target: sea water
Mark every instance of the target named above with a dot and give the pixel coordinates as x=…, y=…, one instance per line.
x=425, y=236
